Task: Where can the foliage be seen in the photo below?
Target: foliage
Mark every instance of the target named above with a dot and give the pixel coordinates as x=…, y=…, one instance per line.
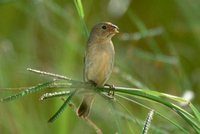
x=156, y=56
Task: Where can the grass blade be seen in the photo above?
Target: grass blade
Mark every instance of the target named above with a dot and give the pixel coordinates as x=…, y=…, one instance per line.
x=148, y=122
x=79, y=8
x=54, y=94
x=117, y=120
x=196, y=126
x=195, y=111
x=28, y=91
x=158, y=97
x=128, y=114
x=62, y=108
x=157, y=113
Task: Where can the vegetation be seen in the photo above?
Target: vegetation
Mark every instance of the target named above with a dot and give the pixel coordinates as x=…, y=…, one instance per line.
x=156, y=66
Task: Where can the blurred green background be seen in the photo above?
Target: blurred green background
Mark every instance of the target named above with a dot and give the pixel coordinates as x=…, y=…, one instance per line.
x=158, y=48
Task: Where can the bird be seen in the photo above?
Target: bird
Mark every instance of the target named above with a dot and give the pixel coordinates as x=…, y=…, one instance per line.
x=98, y=61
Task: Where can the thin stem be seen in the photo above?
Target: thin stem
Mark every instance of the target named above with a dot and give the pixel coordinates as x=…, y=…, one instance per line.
x=91, y=123
x=148, y=122
x=54, y=94
x=49, y=74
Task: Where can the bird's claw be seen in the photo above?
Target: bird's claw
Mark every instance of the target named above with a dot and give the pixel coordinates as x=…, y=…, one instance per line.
x=111, y=91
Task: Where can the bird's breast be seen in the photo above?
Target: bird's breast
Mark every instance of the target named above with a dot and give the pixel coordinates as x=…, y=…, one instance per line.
x=99, y=63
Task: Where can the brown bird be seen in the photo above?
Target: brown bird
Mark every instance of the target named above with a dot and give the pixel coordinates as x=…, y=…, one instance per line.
x=99, y=61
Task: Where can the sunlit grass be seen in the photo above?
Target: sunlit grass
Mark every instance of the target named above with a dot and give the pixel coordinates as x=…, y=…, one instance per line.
x=164, y=99
x=51, y=36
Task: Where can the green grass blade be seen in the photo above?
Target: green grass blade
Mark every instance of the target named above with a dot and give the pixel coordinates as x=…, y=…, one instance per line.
x=175, y=98
x=157, y=113
x=144, y=31
x=148, y=122
x=192, y=123
x=54, y=94
x=195, y=111
x=152, y=95
x=128, y=114
x=62, y=108
x=28, y=91
x=117, y=120
x=79, y=8
x=157, y=98
x=172, y=60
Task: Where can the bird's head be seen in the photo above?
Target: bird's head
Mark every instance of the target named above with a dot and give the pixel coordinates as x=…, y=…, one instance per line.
x=104, y=31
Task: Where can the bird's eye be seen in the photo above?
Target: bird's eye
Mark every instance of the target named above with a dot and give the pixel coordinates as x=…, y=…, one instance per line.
x=103, y=27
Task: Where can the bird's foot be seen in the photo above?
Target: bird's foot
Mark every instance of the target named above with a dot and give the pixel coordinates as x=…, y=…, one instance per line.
x=111, y=91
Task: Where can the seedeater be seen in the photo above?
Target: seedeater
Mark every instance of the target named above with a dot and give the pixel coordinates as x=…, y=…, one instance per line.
x=98, y=61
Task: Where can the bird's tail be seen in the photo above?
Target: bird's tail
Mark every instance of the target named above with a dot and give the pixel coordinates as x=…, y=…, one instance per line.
x=84, y=108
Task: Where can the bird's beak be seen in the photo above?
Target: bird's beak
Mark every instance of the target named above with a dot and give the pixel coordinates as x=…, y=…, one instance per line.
x=116, y=29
